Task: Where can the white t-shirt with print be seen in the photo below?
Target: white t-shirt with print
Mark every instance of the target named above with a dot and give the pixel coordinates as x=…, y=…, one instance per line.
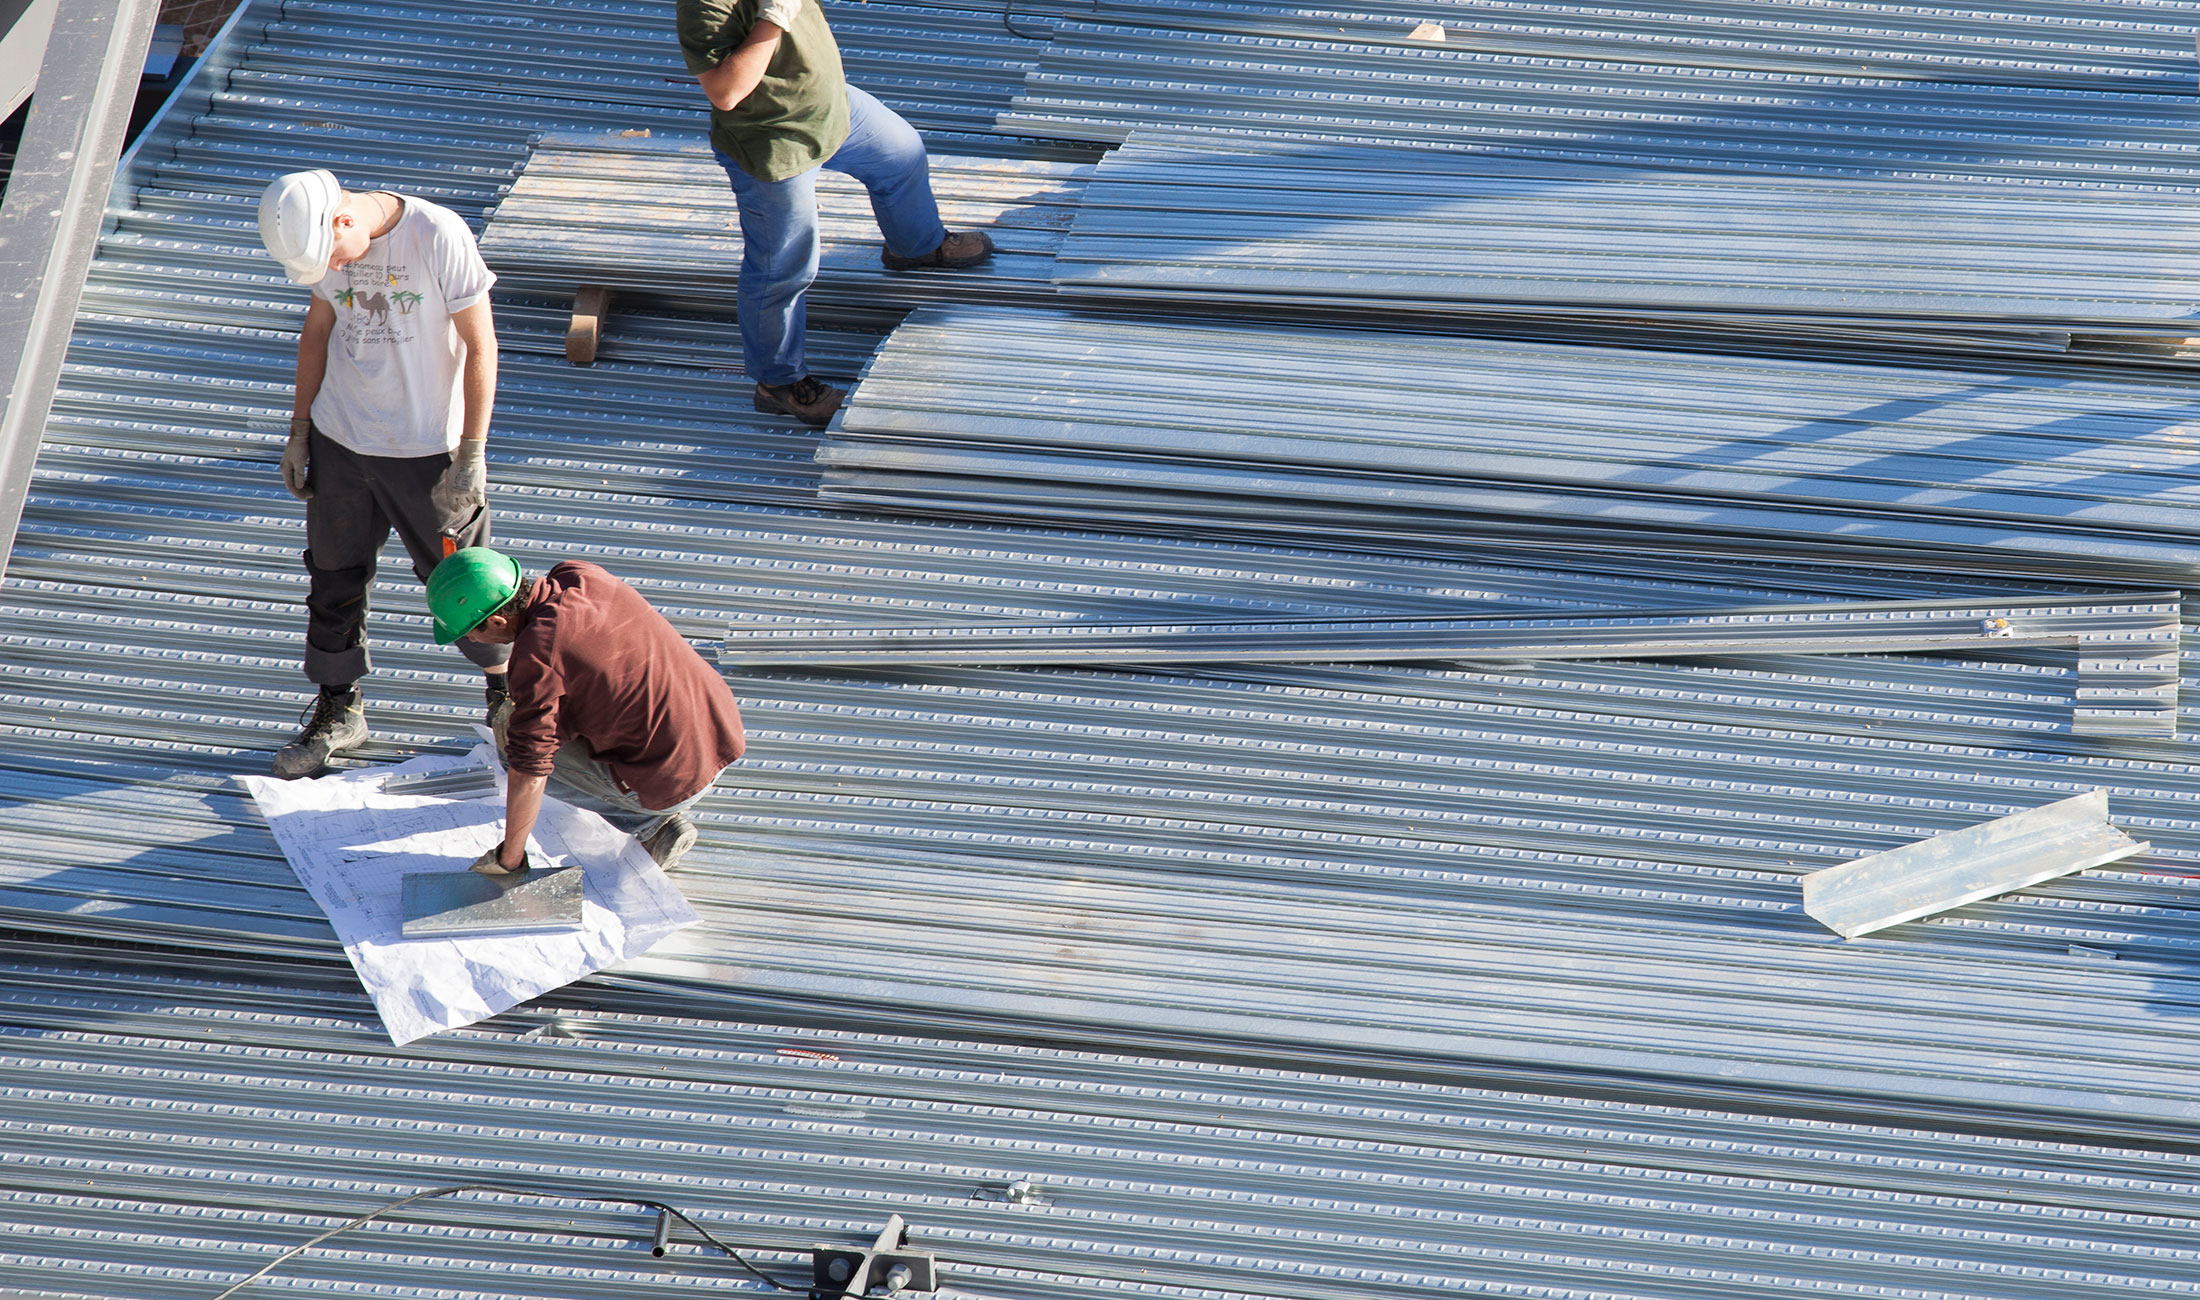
x=394, y=359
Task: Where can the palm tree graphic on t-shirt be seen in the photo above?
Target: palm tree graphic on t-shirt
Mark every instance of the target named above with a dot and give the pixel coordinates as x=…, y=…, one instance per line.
x=405, y=299
x=343, y=297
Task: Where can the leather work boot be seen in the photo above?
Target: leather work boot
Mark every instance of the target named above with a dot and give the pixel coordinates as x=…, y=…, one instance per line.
x=958, y=250
x=338, y=723
x=805, y=399
x=671, y=841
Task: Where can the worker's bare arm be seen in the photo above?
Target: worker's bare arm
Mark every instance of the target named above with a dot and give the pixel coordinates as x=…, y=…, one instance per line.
x=739, y=72
x=478, y=381
x=522, y=804
x=312, y=358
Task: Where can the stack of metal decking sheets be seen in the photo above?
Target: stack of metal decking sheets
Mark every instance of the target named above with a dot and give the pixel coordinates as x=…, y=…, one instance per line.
x=166, y=1137
x=1416, y=440
x=657, y=216
x=1214, y=68
x=2127, y=45
x=1399, y=231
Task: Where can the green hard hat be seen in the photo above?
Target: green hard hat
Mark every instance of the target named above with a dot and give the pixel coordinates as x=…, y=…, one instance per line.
x=468, y=586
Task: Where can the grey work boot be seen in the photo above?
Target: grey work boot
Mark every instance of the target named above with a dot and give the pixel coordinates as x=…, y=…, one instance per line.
x=671, y=841
x=805, y=399
x=962, y=249
x=338, y=722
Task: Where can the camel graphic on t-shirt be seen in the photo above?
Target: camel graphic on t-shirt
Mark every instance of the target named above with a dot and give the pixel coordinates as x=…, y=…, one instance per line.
x=377, y=307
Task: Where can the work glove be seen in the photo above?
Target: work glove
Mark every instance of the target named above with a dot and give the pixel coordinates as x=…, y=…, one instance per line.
x=488, y=865
x=463, y=491
x=295, y=463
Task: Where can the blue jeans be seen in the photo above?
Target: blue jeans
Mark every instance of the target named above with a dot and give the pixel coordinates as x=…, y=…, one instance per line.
x=779, y=230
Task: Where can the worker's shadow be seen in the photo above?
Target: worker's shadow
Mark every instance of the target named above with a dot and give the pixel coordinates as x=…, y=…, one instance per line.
x=2001, y=451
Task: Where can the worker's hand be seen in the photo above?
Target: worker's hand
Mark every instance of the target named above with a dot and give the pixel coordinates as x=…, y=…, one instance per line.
x=463, y=491
x=491, y=863
x=295, y=462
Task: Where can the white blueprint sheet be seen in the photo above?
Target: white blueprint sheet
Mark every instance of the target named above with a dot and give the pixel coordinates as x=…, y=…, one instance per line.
x=352, y=846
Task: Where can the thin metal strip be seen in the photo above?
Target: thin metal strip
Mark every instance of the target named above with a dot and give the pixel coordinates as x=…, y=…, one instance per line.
x=2002, y=856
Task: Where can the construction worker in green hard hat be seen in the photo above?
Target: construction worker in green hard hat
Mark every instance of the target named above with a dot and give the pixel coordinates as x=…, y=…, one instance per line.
x=609, y=701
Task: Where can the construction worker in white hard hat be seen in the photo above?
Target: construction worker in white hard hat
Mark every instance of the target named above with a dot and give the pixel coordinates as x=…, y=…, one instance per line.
x=397, y=372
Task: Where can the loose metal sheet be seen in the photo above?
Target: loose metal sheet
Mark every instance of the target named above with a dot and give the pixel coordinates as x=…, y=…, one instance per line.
x=2008, y=853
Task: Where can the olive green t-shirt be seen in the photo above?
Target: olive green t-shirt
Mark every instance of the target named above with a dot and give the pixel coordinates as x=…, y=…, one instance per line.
x=797, y=116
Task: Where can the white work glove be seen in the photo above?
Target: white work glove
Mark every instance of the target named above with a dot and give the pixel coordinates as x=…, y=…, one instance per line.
x=463, y=491
x=295, y=460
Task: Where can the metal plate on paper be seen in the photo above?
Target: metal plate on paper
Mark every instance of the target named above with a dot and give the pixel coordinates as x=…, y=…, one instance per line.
x=443, y=903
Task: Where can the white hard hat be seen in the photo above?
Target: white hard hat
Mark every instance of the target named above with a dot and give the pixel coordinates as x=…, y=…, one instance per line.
x=297, y=215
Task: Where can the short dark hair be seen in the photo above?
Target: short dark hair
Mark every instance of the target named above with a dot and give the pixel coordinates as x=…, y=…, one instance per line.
x=519, y=597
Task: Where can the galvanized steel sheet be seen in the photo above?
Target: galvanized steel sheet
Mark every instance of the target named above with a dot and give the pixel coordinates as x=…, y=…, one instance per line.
x=1555, y=881
x=1317, y=227
x=1347, y=433
x=1102, y=79
x=167, y=1136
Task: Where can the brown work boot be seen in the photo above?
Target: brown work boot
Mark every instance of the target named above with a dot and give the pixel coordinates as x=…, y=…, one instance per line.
x=670, y=842
x=961, y=249
x=805, y=399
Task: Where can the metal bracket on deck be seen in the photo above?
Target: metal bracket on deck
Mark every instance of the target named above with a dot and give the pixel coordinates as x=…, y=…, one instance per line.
x=886, y=1268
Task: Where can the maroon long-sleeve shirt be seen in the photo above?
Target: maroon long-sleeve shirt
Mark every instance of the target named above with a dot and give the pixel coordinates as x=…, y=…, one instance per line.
x=593, y=661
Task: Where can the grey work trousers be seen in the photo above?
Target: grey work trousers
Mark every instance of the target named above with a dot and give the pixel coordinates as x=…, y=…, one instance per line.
x=583, y=780
x=356, y=501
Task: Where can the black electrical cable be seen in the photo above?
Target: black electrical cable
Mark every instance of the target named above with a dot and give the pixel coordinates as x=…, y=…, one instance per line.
x=1008, y=19
x=433, y=1192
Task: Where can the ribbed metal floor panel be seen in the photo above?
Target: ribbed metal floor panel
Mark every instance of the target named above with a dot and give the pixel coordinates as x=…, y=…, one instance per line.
x=1398, y=230
x=167, y=1137
x=2084, y=44
x=1216, y=69
x=1583, y=867
x=1272, y=429
x=1511, y=888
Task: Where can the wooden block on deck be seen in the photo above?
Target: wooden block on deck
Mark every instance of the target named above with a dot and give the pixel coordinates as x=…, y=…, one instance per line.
x=590, y=304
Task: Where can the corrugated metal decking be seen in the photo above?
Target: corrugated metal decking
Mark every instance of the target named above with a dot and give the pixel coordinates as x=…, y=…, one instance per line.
x=2087, y=44
x=1396, y=230
x=1549, y=883
x=1102, y=79
x=1267, y=429
x=166, y=1137
x=2140, y=625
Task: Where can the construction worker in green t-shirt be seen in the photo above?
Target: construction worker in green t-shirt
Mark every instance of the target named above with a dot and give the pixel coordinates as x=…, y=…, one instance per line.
x=780, y=109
